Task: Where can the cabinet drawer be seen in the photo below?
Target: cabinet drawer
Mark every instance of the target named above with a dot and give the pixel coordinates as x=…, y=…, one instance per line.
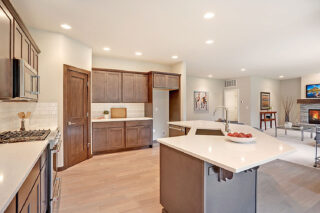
x=139, y=123
x=108, y=124
x=27, y=185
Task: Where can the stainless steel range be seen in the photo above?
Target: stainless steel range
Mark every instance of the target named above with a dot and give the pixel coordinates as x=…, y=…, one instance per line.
x=23, y=136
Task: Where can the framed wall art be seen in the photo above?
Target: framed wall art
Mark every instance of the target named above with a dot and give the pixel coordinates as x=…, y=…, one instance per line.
x=201, y=101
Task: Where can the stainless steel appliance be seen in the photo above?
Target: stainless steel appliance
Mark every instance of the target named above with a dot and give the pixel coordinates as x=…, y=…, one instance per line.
x=55, y=181
x=26, y=81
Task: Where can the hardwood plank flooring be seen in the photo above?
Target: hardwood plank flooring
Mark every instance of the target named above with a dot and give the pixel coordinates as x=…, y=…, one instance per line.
x=128, y=182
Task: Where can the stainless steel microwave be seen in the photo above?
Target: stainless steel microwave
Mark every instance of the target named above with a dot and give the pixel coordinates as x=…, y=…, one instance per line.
x=26, y=81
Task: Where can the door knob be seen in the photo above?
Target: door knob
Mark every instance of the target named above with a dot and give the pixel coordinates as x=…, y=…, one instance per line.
x=70, y=123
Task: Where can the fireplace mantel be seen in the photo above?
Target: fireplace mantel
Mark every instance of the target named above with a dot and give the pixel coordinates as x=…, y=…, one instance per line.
x=309, y=101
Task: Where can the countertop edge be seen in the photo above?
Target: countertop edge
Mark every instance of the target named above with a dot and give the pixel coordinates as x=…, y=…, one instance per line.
x=119, y=119
x=231, y=169
x=7, y=203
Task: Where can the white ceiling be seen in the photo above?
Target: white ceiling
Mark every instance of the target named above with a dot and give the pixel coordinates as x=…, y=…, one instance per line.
x=267, y=37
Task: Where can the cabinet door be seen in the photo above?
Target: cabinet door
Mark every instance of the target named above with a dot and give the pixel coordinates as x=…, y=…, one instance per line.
x=128, y=88
x=113, y=87
x=145, y=135
x=141, y=88
x=12, y=206
x=99, y=139
x=173, y=82
x=6, y=23
x=32, y=204
x=115, y=138
x=98, y=87
x=159, y=81
x=18, y=38
x=26, y=49
x=33, y=54
x=132, y=137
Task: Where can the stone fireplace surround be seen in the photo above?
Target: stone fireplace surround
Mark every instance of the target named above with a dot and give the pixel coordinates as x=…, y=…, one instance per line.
x=305, y=105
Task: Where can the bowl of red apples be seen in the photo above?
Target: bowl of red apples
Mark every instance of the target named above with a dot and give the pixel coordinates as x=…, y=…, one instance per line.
x=240, y=137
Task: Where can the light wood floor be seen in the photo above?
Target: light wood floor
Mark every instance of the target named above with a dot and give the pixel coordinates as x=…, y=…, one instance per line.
x=129, y=182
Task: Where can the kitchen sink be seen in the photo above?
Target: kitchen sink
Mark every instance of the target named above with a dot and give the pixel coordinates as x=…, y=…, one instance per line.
x=216, y=132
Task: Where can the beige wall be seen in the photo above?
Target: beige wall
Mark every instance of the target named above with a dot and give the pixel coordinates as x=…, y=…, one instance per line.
x=56, y=50
x=214, y=88
x=259, y=84
x=244, y=86
x=181, y=68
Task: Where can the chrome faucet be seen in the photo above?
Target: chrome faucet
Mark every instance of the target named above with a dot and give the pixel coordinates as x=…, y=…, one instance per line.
x=227, y=129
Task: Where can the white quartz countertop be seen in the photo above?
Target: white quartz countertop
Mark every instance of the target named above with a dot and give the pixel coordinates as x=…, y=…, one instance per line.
x=121, y=119
x=219, y=151
x=16, y=162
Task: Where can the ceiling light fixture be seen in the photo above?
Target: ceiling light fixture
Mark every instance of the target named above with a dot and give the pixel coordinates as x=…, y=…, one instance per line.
x=210, y=76
x=208, y=15
x=66, y=26
x=106, y=49
x=281, y=76
x=138, y=53
x=209, y=42
x=174, y=57
x=243, y=69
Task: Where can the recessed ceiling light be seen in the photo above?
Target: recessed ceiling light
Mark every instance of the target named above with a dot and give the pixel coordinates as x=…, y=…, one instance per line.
x=174, y=57
x=243, y=69
x=209, y=42
x=66, y=26
x=281, y=76
x=210, y=76
x=138, y=53
x=106, y=49
x=208, y=15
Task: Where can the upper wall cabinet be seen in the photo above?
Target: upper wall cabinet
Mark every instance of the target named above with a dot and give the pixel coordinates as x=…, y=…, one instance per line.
x=117, y=87
x=113, y=87
x=166, y=81
x=106, y=87
x=135, y=88
x=15, y=42
x=6, y=23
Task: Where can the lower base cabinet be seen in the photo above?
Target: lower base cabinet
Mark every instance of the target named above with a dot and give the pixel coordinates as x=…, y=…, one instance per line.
x=114, y=136
x=32, y=196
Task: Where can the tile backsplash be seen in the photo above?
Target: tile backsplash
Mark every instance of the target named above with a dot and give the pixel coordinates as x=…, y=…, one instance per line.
x=43, y=115
x=134, y=110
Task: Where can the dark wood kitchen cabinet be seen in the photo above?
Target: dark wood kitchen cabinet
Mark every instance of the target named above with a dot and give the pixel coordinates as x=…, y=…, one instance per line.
x=98, y=87
x=113, y=87
x=117, y=136
x=166, y=81
x=106, y=87
x=6, y=23
x=134, y=88
x=15, y=42
x=107, y=136
x=33, y=195
x=128, y=87
x=141, y=88
x=32, y=204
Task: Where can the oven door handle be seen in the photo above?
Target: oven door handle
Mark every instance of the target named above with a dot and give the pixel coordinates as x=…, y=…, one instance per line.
x=57, y=147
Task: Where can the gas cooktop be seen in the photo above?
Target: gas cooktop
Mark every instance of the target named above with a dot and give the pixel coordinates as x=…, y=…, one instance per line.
x=23, y=136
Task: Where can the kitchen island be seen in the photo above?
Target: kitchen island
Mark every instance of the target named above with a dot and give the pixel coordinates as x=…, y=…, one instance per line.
x=209, y=173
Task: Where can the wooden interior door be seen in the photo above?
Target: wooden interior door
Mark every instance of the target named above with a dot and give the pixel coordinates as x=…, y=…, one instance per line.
x=76, y=115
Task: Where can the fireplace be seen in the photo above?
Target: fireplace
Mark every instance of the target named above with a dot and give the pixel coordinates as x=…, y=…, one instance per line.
x=314, y=116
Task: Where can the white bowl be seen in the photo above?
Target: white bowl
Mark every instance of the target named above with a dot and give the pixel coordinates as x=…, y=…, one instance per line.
x=241, y=140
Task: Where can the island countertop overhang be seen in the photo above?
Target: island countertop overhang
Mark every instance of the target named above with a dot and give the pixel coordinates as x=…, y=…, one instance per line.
x=220, y=152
